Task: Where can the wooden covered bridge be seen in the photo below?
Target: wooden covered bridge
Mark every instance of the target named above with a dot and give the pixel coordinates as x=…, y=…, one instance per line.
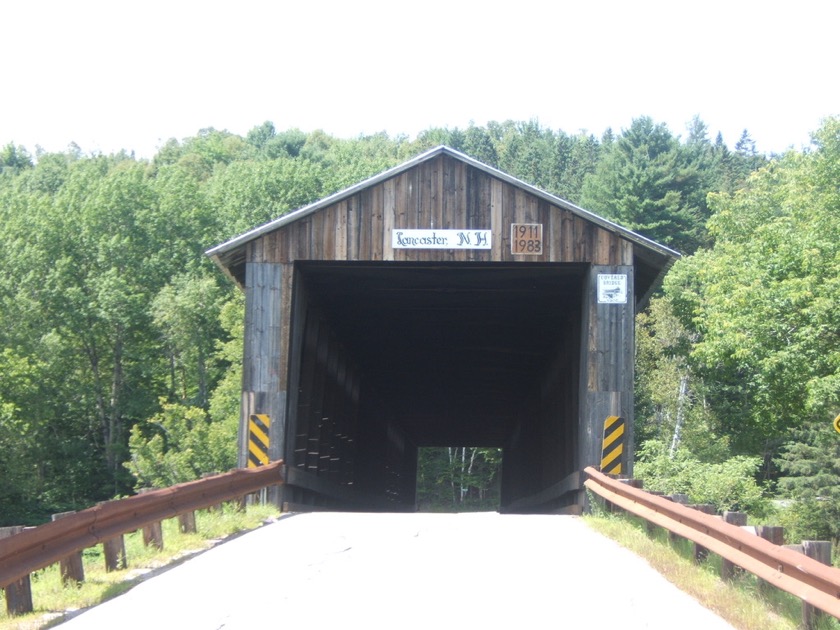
x=440, y=303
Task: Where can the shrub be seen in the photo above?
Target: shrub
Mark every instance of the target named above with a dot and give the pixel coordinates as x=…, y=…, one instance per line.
x=728, y=485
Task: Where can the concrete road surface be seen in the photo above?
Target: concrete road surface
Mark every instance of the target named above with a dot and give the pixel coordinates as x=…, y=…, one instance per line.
x=431, y=571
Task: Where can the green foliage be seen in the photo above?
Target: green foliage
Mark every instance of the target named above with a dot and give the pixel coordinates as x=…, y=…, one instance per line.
x=728, y=485
x=650, y=182
x=752, y=323
x=183, y=441
x=186, y=312
x=479, y=145
x=647, y=183
x=273, y=145
x=226, y=397
x=347, y=162
x=14, y=159
x=668, y=397
x=554, y=161
x=20, y=432
x=762, y=301
x=248, y=193
x=184, y=444
x=810, y=465
x=458, y=479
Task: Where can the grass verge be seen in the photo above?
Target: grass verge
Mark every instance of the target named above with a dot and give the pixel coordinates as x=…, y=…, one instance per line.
x=744, y=601
x=53, y=602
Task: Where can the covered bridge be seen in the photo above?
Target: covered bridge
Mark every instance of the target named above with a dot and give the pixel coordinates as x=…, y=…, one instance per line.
x=440, y=303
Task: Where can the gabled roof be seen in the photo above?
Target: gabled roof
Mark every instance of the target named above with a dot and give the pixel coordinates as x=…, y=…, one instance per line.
x=657, y=256
x=242, y=239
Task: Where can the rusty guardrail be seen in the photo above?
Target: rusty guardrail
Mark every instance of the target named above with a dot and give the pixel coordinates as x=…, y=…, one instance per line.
x=811, y=581
x=46, y=544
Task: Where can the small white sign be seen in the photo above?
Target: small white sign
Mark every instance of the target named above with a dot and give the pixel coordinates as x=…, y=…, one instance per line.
x=612, y=288
x=440, y=239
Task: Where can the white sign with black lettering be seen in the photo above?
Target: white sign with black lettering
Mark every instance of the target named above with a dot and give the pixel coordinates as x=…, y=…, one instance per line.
x=612, y=288
x=440, y=239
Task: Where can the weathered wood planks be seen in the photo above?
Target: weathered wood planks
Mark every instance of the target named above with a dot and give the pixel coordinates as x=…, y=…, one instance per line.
x=443, y=193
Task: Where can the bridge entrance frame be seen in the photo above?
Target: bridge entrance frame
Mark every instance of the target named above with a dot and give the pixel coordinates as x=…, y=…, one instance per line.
x=367, y=335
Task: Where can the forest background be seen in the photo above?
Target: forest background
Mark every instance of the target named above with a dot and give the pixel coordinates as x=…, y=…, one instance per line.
x=121, y=343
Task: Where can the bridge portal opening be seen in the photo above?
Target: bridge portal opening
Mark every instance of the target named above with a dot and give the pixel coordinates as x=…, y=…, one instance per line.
x=391, y=357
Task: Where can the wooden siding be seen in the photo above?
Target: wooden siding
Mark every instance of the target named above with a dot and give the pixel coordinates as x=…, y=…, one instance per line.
x=263, y=384
x=606, y=366
x=442, y=193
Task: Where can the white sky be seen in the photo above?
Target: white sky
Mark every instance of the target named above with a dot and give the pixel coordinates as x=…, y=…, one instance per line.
x=113, y=75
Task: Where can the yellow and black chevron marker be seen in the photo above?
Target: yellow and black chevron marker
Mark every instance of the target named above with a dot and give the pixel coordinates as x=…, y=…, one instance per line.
x=613, y=445
x=258, y=425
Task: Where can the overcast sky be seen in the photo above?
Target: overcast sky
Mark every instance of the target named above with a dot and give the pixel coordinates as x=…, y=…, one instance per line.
x=112, y=75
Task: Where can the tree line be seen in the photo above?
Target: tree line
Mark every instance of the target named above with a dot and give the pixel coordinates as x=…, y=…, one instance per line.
x=120, y=342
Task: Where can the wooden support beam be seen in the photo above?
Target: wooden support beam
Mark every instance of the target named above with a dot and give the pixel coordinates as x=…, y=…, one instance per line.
x=18, y=593
x=727, y=568
x=114, y=550
x=153, y=535
x=186, y=523
x=819, y=550
x=152, y=532
x=72, y=567
x=700, y=552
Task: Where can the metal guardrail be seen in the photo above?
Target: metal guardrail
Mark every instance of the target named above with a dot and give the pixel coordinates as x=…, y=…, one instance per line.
x=811, y=581
x=49, y=543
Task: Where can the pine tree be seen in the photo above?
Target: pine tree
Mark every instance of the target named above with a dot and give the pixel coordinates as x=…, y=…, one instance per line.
x=646, y=183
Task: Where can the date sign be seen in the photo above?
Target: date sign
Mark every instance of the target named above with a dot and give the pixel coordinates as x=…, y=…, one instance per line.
x=526, y=239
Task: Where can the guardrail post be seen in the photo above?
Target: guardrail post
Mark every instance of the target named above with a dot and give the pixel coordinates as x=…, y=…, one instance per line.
x=186, y=523
x=775, y=535
x=114, y=550
x=739, y=519
x=153, y=535
x=18, y=594
x=651, y=527
x=819, y=550
x=700, y=552
x=72, y=567
x=153, y=532
x=682, y=499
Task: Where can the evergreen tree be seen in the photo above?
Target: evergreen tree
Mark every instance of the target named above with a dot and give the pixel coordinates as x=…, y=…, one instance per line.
x=810, y=467
x=645, y=183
